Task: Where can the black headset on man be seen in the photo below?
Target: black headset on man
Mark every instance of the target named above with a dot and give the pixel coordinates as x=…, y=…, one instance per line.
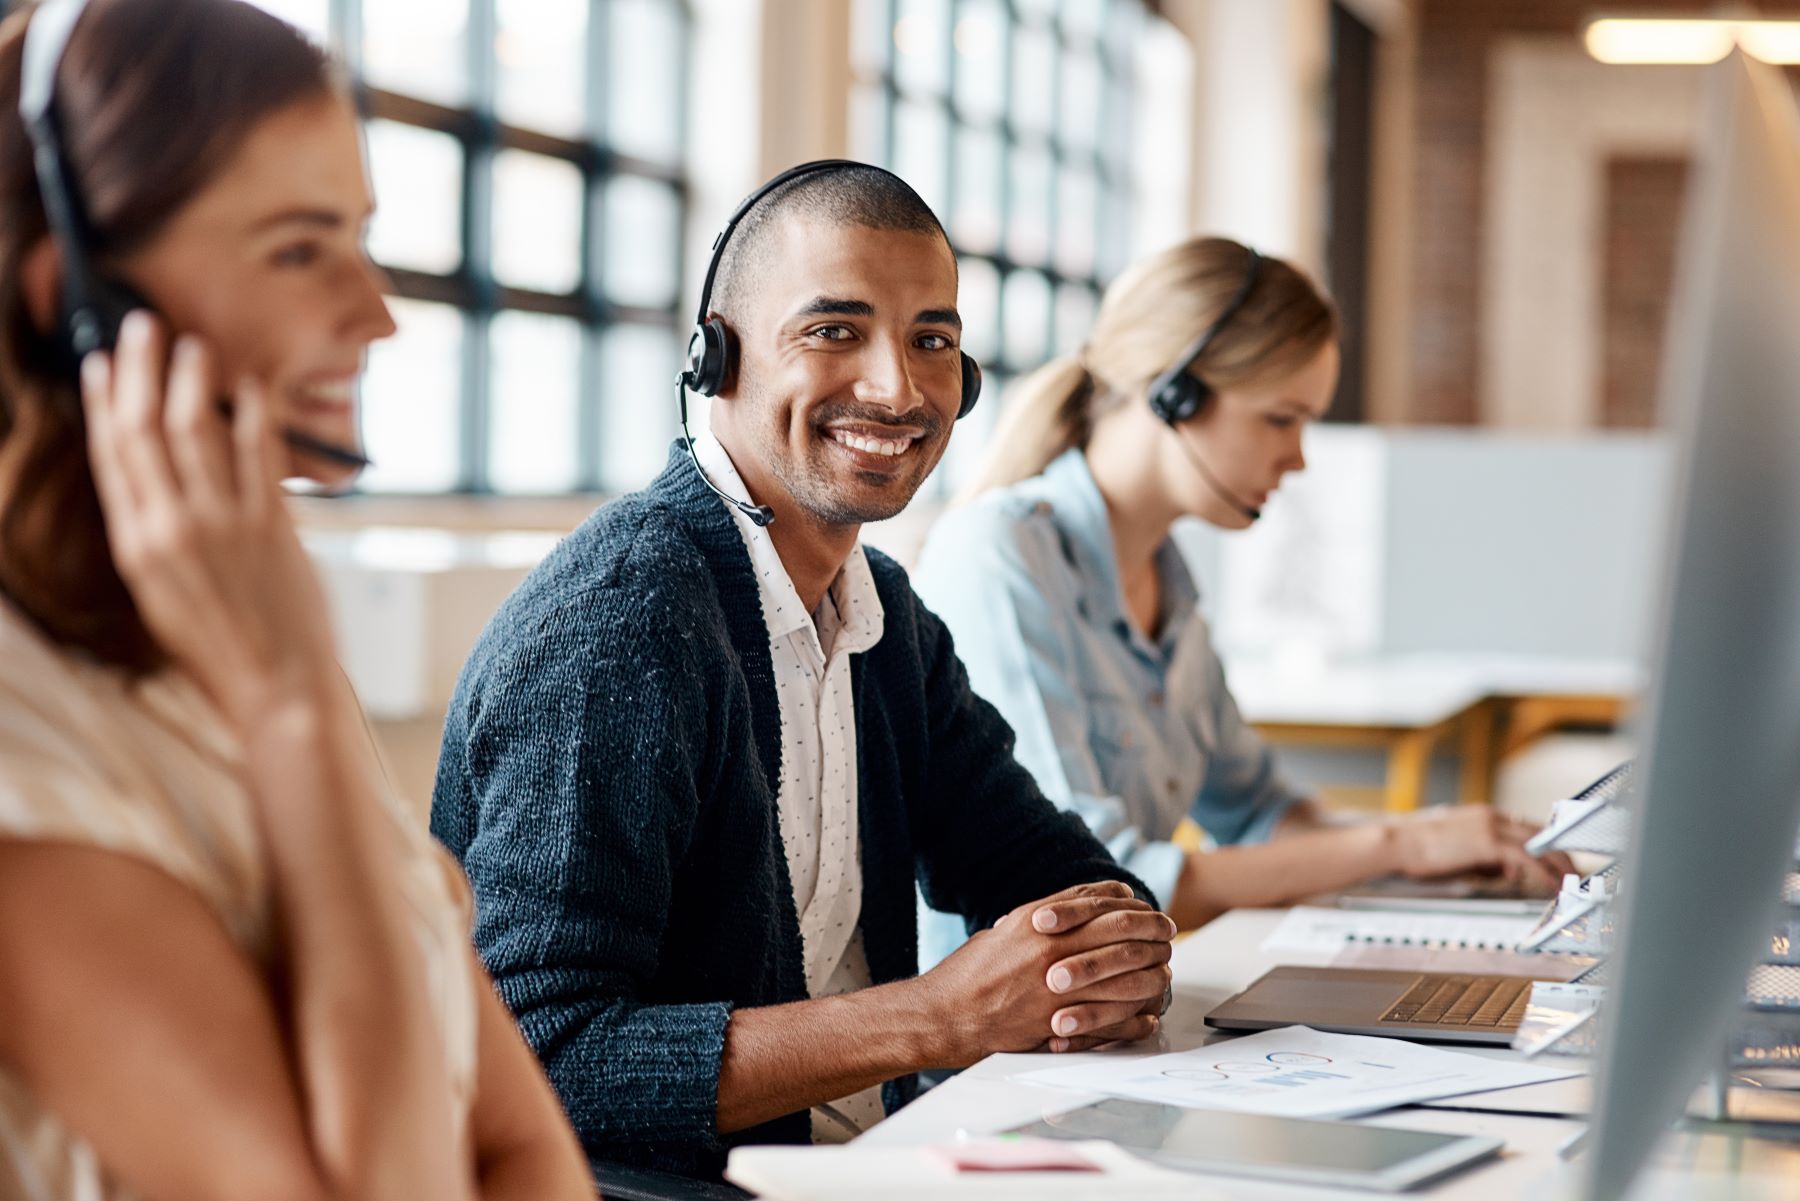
x=1175, y=395
x=712, y=348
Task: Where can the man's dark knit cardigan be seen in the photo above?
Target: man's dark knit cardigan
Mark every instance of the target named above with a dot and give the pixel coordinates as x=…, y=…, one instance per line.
x=609, y=777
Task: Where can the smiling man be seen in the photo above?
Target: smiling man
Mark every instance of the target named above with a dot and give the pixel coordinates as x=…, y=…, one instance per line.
x=697, y=762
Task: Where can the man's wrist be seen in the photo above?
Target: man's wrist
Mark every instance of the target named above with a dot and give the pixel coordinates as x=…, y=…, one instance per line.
x=934, y=1036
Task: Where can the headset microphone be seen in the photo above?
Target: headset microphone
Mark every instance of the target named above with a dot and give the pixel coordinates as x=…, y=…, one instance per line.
x=760, y=516
x=1212, y=481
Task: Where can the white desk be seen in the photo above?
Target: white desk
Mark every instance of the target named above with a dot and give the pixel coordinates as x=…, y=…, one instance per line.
x=1209, y=966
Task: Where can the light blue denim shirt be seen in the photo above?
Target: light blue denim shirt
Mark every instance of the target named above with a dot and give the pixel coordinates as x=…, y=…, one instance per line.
x=1130, y=734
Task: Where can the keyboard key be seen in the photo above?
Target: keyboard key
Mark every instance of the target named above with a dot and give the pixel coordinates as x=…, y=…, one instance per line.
x=1500, y=1003
x=1447, y=992
x=1407, y=1005
x=1472, y=999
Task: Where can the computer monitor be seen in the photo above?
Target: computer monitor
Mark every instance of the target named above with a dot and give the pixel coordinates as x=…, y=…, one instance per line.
x=1719, y=791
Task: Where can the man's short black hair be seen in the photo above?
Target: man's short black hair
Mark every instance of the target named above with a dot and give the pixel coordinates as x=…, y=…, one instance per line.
x=856, y=195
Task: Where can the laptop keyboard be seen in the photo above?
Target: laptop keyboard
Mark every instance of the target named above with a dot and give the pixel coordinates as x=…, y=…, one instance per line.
x=1497, y=1002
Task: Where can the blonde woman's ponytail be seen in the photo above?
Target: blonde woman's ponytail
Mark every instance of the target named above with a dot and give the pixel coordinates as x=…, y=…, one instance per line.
x=1047, y=412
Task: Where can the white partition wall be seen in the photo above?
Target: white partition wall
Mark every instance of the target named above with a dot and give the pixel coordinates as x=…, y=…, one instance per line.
x=1445, y=541
x=1528, y=545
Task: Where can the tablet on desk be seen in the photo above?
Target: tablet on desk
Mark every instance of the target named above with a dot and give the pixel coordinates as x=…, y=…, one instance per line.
x=1334, y=1154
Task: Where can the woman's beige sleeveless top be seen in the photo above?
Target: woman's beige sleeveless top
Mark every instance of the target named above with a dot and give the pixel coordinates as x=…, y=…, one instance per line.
x=149, y=769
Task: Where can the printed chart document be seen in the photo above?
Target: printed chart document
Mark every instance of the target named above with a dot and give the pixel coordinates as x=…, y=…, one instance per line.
x=1298, y=1072
x=1307, y=930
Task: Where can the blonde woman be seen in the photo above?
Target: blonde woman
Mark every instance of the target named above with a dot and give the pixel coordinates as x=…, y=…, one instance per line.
x=1076, y=614
x=231, y=964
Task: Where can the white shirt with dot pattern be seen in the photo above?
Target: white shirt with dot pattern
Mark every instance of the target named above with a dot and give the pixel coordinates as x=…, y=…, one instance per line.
x=816, y=799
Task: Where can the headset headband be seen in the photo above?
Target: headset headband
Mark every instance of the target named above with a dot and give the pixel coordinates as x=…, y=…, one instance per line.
x=751, y=201
x=46, y=39
x=1230, y=310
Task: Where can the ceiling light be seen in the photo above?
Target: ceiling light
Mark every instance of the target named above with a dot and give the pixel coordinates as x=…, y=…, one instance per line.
x=1630, y=40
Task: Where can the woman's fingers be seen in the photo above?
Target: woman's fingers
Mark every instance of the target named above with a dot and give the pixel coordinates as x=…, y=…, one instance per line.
x=147, y=522
x=258, y=469
x=1552, y=864
x=96, y=401
x=1560, y=863
x=195, y=519
x=199, y=442
x=1537, y=876
x=1530, y=874
x=136, y=414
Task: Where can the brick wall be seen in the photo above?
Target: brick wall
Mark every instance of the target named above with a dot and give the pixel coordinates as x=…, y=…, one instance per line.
x=1643, y=218
x=1450, y=91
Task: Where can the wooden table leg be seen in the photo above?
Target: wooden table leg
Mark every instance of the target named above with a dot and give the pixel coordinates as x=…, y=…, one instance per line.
x=1478, y=755
x=1529, y=718
x=1409, y=758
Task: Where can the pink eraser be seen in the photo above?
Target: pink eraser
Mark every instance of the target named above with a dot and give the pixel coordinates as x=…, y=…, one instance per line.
x=1013, y=1155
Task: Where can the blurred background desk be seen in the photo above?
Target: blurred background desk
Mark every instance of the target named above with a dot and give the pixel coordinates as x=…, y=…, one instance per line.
x=1406, y=706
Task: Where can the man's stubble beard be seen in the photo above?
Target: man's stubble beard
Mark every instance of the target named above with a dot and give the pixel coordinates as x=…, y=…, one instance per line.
x=808, y=488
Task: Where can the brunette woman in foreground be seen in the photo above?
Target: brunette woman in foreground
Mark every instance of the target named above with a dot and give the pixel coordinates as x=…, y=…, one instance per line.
x=232, y=965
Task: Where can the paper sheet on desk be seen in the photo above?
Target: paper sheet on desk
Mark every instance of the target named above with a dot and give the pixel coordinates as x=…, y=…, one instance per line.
x=1298, y=1072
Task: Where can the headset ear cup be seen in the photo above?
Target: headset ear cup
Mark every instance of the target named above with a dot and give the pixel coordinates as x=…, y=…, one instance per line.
x=711, y=358
x=1177, y=396
x=1194, y=398
x=971, y=386
x=727, y=350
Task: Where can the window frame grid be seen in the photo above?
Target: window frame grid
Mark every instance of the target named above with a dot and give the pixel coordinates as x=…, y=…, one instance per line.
x=472, y=289
x=1117, y=80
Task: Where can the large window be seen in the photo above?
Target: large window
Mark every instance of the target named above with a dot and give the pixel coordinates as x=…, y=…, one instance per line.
x=1013, y=119
x=526, y=159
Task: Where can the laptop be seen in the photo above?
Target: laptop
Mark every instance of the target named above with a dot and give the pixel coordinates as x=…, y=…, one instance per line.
x=1454, y=1007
